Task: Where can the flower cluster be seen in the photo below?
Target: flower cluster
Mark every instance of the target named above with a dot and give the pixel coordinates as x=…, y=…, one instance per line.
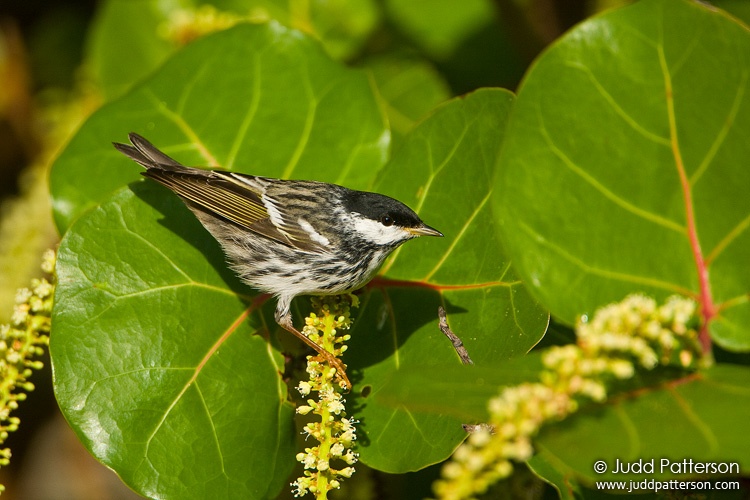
x=334, y=432
x=20, y=342
x=620, y=338
x=485, y=457
x=639, y=329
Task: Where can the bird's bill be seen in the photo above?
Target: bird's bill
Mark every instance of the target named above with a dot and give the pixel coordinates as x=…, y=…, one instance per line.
x=424, y=230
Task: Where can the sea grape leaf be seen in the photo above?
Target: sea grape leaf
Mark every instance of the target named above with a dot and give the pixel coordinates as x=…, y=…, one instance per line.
x=259, y=99
x=621, y=133
x=409, y=86
x=343, y=26
x=695, y=417
x=443, y=170
x=737, y=8
x=624, y=168
x=130, y=38
x=124, y=45
x=457, y=390
x=437, y=25
x=157, y=365
x=129, y=285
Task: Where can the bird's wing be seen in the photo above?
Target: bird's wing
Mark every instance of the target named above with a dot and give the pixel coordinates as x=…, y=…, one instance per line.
x=236, y=198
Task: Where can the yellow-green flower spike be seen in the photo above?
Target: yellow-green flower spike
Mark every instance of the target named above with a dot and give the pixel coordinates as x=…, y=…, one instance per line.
x=20, y=342
x=621, y=337
x=330, y=462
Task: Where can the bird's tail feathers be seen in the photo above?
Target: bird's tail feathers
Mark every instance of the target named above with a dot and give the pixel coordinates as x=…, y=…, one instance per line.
x=147, y=154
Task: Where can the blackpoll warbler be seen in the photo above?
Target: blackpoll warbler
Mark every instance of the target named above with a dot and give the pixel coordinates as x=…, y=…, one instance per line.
x=287, y=237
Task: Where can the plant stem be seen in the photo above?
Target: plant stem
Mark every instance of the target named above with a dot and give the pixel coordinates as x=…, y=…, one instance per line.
x=327, y=340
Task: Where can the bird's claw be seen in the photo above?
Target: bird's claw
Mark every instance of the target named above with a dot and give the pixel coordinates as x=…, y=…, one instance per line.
x=340, y=368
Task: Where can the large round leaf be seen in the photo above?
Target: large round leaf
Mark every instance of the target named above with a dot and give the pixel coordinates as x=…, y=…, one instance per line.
x=691, y=419
x=124, y=43
x=155, y=362
x=444, y=170
x=130, y=38
x=259, y=99
x=625, y=165
x=156, y=365
x=437, y=25
x=409, y=87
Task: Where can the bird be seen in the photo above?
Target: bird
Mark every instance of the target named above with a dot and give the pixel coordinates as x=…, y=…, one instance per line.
x=284, y=237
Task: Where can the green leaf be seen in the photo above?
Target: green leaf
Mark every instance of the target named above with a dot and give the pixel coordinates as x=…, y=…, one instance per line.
x=691, y=418
x=410, y=88
x=124, y=44
x=130, y=38
x=460, y=391
x=343, y=26
x=156, y=365
x=443, y=170
x=566, y=489
x=259, y=99
x=437, y=25
x=624, y=167
x=738, y=8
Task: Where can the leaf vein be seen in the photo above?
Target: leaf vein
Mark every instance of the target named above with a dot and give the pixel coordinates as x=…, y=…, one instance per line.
x=458, y=237
x=433, y=173
x=703, y=428
x=634, y=441
x=632, y=122
x=598, y=186
x=213, y=429
x=722, y=135
x=304, y=138
x=731, y=236
x=614, y=275
x=178, y=120
x=249, y=115
x=187, y=88
x=199, y=367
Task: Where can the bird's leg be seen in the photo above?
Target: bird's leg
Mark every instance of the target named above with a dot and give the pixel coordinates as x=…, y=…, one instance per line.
x=285, y=321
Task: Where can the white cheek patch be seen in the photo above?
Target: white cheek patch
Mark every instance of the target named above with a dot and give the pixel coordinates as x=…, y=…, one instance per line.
x=314, y=235
x=378, y=233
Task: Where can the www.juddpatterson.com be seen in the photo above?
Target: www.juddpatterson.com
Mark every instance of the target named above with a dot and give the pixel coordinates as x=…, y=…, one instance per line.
x=685, y=467
x=655, y=485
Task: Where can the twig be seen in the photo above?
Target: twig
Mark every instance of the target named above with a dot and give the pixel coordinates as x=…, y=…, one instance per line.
x=458, y=344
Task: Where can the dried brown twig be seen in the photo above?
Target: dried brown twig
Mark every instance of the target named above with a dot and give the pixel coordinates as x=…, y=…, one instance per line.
x=458, y=344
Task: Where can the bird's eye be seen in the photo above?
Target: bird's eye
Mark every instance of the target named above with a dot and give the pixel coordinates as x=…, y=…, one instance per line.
x=386, y=220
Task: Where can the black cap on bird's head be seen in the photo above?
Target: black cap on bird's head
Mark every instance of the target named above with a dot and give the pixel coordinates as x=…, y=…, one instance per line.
x=387, y=212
